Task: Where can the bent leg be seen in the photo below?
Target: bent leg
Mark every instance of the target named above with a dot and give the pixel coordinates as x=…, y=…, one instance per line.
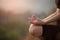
x=49, y=32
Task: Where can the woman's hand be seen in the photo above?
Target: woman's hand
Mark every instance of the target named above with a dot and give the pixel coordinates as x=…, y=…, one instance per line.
x=36, y=21
x=35, y=30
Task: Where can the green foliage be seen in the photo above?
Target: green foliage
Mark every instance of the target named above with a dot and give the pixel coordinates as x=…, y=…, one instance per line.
x=10, y=28
x=14, y=27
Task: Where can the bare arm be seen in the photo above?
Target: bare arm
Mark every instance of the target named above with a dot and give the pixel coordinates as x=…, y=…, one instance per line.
x=52, y=17
x=48, y=19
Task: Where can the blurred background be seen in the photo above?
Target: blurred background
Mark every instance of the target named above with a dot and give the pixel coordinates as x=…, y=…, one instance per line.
x=14, y=16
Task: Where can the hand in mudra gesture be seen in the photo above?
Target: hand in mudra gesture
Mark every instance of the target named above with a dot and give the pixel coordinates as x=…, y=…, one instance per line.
x=35, y=20
x=35, y=28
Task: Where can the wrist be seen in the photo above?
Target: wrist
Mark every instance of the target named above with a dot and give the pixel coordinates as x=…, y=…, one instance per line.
x=44, y=22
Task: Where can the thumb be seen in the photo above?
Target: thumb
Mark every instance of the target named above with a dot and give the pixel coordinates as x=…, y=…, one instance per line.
x=33, y=17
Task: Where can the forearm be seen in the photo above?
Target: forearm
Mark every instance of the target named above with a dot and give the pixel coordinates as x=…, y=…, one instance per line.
x=51, y=18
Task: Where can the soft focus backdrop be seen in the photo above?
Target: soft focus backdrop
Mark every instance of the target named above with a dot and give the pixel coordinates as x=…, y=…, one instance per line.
x=14, y=17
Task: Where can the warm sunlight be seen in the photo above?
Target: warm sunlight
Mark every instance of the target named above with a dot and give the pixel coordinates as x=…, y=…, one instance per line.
x=21, y=6
x=14, y=5
x=28, y=20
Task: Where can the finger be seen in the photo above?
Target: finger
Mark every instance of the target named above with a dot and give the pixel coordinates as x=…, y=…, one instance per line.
x=36, y=22
x=33, y=22
x=30, y=18
x=33, y=17
x=30, y=21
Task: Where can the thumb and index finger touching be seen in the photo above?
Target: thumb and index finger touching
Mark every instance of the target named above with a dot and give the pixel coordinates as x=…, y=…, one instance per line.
x=32, y=18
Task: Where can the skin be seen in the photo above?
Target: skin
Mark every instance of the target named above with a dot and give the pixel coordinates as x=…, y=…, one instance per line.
x=52, y=17
x=37, y=23
x=48, y=19
x=35, y=30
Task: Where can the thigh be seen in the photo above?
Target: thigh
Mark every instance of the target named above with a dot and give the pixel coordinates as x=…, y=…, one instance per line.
x=58, y=36
x=49, y=32
x=58, y=33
